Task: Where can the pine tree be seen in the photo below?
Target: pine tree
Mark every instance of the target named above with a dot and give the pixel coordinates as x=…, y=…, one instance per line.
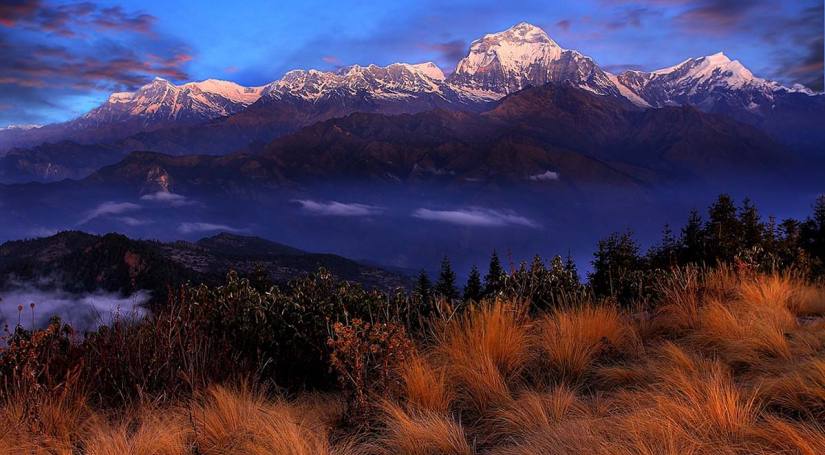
x=819, y=212
x=812, y=235
x=723, y=230
x=572, y=270
x=494, y=280
x=692, y=243
x=789, y=246
x=423, y=287
x=473, y=290
x=445, y=286
x=752, y=229
x=770, y=237
x=615, y=266
x=664, y=255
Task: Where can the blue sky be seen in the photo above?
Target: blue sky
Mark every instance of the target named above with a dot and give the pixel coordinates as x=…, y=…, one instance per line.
x=59, y=59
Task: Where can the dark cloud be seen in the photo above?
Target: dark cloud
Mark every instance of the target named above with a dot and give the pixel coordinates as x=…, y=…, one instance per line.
x=68, y=20
x=719, y=16
x=114, y=66
x=700, y=16
x=116, y=18
x=451, y=51
x=564, y=24
x=12, y=11
x=795, y=37
x=632, y=17
x=810, y=71
x=805, y=33
x=50, y=52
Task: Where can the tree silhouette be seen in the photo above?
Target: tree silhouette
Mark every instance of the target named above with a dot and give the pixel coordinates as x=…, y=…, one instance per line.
x=423, y=287
x=494, y=280
x=692, y=242
x=615, y=264
x=723, y=230
x=473, y=290
x=445, y=286
x=752, y=228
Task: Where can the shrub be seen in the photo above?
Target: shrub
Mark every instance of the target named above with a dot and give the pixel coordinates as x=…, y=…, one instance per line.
x=367, y=357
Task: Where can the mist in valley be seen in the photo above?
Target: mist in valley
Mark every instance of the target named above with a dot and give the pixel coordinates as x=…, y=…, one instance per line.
x=410, y=227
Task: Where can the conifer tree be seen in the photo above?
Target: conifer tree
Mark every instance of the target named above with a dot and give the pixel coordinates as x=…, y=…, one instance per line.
x=615, y=264
x=664, y=255
x=692, y=242
x=789, y=246
x=819, y=212
x=819, y=223
x=494, y=280
x=423, y=286
x=752, y=229
x=812, y=235
x=445, y=286
x=723, y=230
x=572, y=270
x=473, y=290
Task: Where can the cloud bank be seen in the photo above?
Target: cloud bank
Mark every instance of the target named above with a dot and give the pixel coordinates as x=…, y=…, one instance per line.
x=544, y=177
x=475, y=216
x=109, y=208
x=195, y=227
x=335, y=208
x=167, y=198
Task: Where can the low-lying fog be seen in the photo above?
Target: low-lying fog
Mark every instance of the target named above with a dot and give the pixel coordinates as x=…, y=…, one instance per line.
x=82, y=311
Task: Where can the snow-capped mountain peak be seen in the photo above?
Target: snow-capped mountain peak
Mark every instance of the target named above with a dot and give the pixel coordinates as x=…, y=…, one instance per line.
x=395, y=81
x=710, y=82
x=160, y=102
x=496, y=65
x=523, y=55
x=428, y=69
x=717, y=69
x=513, y=51
x=226, y=89
x=521, y=33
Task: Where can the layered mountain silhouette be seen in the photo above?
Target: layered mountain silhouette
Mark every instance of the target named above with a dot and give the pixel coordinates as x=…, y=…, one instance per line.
x=219, y=117
x=556, y=135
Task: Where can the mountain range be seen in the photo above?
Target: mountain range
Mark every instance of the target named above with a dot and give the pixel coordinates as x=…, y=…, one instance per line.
x=218, y=117
x=552, y=136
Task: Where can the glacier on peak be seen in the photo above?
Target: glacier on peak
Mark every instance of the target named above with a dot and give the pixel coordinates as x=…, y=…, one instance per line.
x=496, y=65
x=513, y=50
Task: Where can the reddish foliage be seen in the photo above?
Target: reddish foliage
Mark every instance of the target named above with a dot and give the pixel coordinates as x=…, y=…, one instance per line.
x=367, y=357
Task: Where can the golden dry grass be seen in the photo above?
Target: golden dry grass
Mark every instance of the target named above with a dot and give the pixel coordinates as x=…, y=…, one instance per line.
x=570, y=340
x=727, y=364
x=421, y=432
x=484, y=353
x=425, y=386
